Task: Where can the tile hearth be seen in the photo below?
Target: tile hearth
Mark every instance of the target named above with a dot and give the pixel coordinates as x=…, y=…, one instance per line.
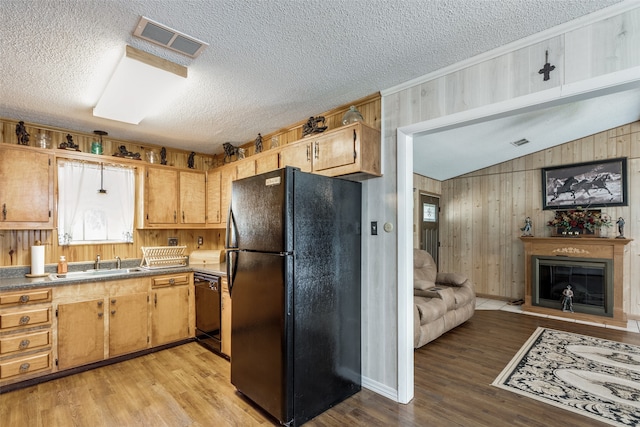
x=492, y=304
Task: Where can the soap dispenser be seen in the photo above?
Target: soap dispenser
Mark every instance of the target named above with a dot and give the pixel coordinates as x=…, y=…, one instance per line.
x=62, y=265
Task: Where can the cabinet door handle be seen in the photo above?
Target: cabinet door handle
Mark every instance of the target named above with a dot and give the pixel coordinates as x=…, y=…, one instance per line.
x=25, y=367
x=172, y=281
x=24, y=299
x=113, y=301
x=308, y=153
x=175, y=216
x=24, y=344
x=113, y=312
x=99, y=303
x=317, y=150
x=182, y=216
x=155, y=300
x=100, y=315
x=4, y=211
x=24, y=320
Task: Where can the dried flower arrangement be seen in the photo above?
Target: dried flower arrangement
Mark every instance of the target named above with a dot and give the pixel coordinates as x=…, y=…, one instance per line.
x=579, y=218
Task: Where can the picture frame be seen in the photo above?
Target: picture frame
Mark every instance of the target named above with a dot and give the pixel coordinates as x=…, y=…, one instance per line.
x=601, y=183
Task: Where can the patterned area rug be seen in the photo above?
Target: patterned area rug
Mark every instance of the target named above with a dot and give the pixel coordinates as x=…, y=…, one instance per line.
x=590, y=376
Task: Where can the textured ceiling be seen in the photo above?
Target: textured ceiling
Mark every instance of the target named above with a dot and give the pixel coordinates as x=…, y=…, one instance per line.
x=269, y=63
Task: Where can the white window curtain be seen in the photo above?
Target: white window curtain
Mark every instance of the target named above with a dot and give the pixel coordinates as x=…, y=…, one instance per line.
x=86, y=215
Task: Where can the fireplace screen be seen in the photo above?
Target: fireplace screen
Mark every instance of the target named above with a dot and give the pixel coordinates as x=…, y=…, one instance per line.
x=591, y=281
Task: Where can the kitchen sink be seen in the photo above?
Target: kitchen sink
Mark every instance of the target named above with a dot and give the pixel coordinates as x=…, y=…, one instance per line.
x=88, y=274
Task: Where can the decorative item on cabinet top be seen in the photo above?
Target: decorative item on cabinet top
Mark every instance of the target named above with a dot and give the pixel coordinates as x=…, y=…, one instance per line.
x=313, y=125
x=352, y=116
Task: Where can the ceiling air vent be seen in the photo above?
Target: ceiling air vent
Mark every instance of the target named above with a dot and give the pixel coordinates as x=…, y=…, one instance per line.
x=164, y=36
x=520, y=142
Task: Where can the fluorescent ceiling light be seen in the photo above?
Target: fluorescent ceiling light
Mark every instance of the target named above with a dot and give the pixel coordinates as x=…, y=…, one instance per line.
x=141, y=84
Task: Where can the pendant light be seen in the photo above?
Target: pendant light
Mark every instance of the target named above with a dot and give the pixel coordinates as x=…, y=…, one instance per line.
x=102, y=190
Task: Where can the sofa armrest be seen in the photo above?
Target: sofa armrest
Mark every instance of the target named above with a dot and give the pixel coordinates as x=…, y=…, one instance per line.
x=451, y=279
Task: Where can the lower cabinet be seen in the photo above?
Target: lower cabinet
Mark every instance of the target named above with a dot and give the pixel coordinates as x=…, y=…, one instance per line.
x=80, y=333
x=128, y=316
x=25, y=335
x=170, y=308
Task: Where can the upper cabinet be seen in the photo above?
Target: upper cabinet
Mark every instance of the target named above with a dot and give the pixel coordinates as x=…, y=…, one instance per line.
x=174, y=198
x=26, y=188
x=351, y=149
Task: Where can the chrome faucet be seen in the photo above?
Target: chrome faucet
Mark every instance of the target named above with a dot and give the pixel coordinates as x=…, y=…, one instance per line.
x=96, y=265
x=118, y=263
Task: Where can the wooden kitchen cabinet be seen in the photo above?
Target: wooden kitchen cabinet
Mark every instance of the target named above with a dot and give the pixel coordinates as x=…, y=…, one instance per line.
x=25, y=171
x=25, y=335
x=81, y=329
x=297, y=155
x=173, y=198
x=192, y=189
x=161, y=196
x=170, y=308
x=245, y=168
x=228, y=176
x=214, y=214
x=225, y=327
x=267, y=162
x=353, y=148
x=128, y=316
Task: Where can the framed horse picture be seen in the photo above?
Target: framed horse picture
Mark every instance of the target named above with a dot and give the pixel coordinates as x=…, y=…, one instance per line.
x=588, y=185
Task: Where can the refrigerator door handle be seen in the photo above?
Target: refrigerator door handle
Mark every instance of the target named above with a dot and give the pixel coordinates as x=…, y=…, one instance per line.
x=232, y=265
x=231, y=222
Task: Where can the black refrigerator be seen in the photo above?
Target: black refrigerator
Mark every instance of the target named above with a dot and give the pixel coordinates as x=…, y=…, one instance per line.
x=293, y=264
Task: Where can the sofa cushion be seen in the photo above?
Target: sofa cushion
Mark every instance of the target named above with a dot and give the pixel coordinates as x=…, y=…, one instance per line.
x=424, y=270
x=451, y=279
x=429, y=309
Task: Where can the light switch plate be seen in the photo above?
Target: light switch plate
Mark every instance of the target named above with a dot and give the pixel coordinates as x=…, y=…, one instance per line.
x=374, y=228
x=172, y=241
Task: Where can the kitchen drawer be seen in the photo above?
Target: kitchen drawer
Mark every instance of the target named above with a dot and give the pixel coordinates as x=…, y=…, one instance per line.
x=25, y=297
x=25, y=365
x=173, y=280
x=25, y=318
x=21, y=342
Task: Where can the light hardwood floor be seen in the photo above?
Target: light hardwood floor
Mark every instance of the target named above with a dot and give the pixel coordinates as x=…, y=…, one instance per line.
x=189, y=386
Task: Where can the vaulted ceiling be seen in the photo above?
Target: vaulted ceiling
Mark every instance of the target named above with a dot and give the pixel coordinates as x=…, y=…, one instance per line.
x=268, y=64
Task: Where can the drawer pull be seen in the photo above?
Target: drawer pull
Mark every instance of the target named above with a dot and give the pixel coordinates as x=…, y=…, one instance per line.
x=24, y=344
x=24, y=299
x=172, y=281
x=25, y=367
x=24, y=320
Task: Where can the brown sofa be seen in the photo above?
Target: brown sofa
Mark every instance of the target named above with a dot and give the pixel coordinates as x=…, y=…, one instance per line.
x=442, y=301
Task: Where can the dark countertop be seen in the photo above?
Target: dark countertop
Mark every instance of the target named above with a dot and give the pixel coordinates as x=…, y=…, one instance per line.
x=18, y=283
x=217, y=269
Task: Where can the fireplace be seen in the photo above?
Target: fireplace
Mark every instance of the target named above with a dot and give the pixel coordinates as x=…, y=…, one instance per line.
x=590, y=280
x=593, y=266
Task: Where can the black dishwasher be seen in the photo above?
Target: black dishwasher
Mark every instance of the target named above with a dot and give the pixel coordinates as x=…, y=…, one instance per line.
x=208, y=309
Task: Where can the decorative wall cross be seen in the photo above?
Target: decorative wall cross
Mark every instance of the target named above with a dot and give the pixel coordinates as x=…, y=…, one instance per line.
x=548, y=68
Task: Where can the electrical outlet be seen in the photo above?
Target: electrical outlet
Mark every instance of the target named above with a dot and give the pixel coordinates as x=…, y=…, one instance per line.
x=172, y=241
x=200, y=240
x=374, y=228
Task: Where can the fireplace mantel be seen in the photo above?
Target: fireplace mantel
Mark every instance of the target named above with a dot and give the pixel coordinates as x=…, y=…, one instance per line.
x=578, y=247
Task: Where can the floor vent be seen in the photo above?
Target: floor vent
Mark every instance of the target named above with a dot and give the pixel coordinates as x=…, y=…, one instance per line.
x=164, y=36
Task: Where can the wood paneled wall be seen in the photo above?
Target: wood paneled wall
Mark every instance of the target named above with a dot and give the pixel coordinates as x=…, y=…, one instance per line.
x=482, y=213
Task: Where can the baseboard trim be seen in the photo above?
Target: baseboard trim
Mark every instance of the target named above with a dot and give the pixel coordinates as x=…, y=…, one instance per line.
x=380, y=388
